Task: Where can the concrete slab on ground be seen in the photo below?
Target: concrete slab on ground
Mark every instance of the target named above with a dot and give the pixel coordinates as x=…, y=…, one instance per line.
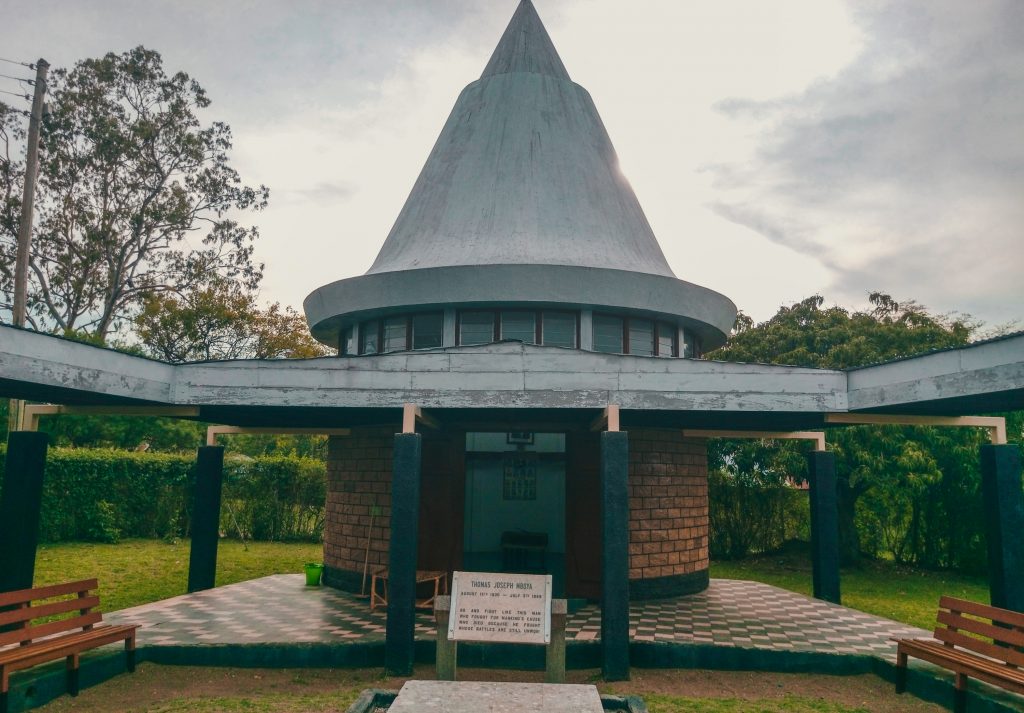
x=475, y=696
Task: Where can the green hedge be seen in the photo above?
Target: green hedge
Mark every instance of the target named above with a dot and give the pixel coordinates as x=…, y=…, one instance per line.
x=103, y=495
x=748, y=519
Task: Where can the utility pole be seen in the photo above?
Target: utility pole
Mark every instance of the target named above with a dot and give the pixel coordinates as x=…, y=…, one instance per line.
x=25, y=227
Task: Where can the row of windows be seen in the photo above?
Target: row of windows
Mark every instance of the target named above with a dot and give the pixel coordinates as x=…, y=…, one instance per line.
x=395, y=334
x=553, y=329
x=613, y=334
x=630, y=335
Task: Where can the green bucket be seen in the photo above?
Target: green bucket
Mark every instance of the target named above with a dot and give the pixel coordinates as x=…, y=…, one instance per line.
x=314, y=572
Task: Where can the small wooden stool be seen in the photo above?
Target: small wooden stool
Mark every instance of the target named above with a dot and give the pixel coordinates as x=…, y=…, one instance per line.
x=440, y=580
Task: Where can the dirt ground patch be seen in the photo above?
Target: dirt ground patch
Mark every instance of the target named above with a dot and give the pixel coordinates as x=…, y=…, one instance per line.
x=180, y=688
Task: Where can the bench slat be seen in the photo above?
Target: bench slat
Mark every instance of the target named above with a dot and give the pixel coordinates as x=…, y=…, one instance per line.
x=53, y=590
x=59, y=647
x=968, y=664
x=1009, y=654
x=53, y=627
x=996, y=633
x=1005, y=616
x=41, y=610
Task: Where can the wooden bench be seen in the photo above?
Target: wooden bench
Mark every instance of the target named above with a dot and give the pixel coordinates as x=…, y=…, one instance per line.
x=973, y=641
x=69, y=626
x=440, y=580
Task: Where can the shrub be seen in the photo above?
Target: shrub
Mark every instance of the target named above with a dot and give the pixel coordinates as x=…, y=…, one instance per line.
x=748, y=519
x=104, y=494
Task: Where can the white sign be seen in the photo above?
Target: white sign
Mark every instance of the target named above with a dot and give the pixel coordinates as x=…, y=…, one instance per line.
x=492, y=606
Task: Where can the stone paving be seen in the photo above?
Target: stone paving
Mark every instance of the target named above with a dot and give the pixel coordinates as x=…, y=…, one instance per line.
x=281, y=609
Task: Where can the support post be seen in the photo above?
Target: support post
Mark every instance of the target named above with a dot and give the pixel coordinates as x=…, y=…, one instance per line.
x=447, y=650
x=554, y=656
x=205, y=526
x=615, y=555
x=20, y=504
x=405, y=514
x=821, y=471
x=1004, y=523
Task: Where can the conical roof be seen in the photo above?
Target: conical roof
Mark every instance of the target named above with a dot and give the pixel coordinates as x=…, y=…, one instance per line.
x=522, y=173
x=520, y=205
x=526, y=47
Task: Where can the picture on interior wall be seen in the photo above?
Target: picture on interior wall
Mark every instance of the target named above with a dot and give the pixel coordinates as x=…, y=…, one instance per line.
x=520, y=477
x=520, y=438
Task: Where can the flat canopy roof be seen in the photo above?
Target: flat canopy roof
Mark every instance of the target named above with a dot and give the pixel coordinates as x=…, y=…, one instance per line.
x=536, y=382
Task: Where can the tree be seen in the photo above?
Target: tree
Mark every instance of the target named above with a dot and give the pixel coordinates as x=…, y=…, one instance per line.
x=12, y=136
x=222, y=322
x=914, y=473
x=136, y=197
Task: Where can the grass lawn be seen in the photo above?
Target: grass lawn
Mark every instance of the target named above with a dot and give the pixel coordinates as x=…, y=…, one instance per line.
x=882, y=588
x=139, y=571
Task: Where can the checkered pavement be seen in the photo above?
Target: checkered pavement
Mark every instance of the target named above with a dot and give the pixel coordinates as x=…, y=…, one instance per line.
x=281, y=609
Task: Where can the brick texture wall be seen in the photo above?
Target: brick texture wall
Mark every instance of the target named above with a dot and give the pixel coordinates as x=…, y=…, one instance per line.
x=358, y=479
x=668, y=506
x=668, y=510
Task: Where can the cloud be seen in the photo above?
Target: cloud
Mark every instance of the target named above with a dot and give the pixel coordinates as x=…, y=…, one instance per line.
x=905, y=171
x=324, y=192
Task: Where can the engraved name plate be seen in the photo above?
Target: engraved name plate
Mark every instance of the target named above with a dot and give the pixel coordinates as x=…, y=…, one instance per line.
x=493, y=606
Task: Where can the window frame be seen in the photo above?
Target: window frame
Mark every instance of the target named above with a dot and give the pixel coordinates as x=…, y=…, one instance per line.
x=499, y=323
x=576, y=316
x=495, y=317
x=593, y=332
x=410, y=337
x=363, y=333
x=674, y=331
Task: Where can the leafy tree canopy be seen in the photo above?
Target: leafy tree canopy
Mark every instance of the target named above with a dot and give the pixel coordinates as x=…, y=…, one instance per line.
x=806, y=334
x=222, y=322
x=136, y=197
x=910, y=491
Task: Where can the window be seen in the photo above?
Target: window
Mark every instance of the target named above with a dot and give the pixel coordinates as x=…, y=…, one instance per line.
x=691, y=345
x=559, y=329
x=641, y=337
x=607, y=334
x=369, y=337
x=667, y=334
x=347, y=341
x=519, y=325
x=427, y=330
x=396, y=331
x=476, y=327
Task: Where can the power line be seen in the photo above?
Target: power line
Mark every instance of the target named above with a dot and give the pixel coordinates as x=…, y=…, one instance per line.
x=23, y=64
x=23, y=96
x=29, y=82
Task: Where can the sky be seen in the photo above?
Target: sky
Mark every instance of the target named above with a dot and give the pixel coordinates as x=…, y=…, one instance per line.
x=779, y=149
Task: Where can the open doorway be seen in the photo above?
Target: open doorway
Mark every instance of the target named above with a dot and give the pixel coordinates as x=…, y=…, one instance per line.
x=515, y=504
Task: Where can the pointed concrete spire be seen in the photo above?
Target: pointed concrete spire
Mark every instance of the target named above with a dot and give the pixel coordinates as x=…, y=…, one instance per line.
x=523, y=173
x=525, y=47
x=521, y=203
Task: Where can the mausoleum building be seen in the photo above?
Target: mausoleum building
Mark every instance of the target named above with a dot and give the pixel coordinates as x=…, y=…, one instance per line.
x=518, y=385
x=522, y=230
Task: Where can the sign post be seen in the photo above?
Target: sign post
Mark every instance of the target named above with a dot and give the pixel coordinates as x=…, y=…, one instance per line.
x=496, y=607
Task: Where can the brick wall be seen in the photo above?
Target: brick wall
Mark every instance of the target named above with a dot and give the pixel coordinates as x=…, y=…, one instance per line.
x=668, y=509
x=668, y=513
x=358, y=478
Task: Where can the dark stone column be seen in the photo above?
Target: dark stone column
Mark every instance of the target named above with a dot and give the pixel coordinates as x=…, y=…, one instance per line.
x=202, y=563
x=821, y=470
x=615, y=555
x=20, y=504
x=405, y=514
x=1004, y=524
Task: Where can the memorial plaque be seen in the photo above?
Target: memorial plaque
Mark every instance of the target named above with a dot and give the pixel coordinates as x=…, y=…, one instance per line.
x=493, y=606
